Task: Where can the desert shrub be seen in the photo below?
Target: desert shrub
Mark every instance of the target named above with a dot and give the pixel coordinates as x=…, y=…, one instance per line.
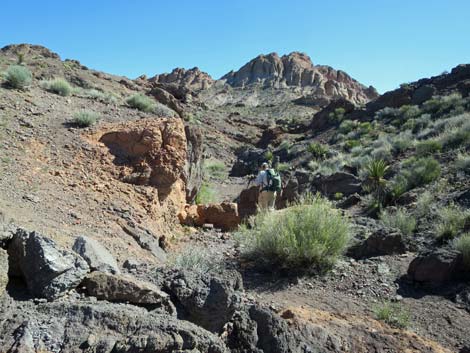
x=329, y=166
x=85, y=118
x=403, y=141
x=462, y=163
x=195, y=259
x=462, y=244
x=337, y=115
x=452, y=220
x=163, y=111
x=104, y=97
x=206, y=194
x=268, y=155
x=417, y=172
x=282, y=167
x=388, y=113
x=18, y=77
x=141, y=102
x=375, y=171
x=382, y=148
x=309, y=233
x=215, y=169
x=428, y=147
x=285, y=145
x=58, y=86
x=399, y=219
x=442, y=104
x=338, y=195
x=424, y=204
x=318, y=150
x=456, y=137
x=347, y=126
x=393, y=314
x=409, y=112
x=350, y=144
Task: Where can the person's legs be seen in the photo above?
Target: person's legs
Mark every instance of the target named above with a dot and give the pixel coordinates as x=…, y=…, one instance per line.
x=263, y=200
x=271, y=200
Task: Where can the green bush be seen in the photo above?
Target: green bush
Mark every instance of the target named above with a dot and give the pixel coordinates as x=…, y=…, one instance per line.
x=462, y=244
x=347, y=126
x=309, y=233
x=462, y=163
x=318, y=150
x=101, y=96
x=141, y=102
x=205, y=195
x=85, y=118
x=18, y=77
x=393, y=314
x=424, y=204
x=452, y=220
x=399, y=219
x=195, y=259
x=215, y=169
x=415, y=172
x=428, y=147
x=337, y=115
x=375, y=173
x=58, y=86
x=268, y=155
x=456, y=137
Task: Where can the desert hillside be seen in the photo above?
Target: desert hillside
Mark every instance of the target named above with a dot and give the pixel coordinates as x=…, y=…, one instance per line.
x=129, y=221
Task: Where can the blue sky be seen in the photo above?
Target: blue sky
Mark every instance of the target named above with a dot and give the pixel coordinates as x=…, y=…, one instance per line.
x=378, y=42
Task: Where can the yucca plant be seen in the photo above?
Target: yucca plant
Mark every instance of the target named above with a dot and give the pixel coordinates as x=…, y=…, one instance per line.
x=376, y=182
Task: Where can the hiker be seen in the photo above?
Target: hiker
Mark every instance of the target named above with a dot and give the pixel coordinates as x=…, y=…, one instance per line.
x=269, y=183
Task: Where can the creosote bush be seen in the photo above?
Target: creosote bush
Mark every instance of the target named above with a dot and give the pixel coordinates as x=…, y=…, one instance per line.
x=308, y=234
x=462, y=244
x=141, y=102
x=18, y=77
x=58, y=86
x=393, y=314
x=85, y=118
x=399, y=219
x=452, y=220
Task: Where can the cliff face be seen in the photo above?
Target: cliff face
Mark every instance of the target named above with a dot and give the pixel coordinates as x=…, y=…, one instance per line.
x=297, y=70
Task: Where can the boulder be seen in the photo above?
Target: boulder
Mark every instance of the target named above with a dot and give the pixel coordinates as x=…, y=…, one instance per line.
x=341, y=182
x=248, y=161
x=379, y=243
x=96, y=255
x=435, y=267
x=248, y=202
x=120, y=288
x=146, y=240
x=223, y=215
x=322, y=119
x=49, y=272
x=3, y=271
x=193, y=168
x=206, y=300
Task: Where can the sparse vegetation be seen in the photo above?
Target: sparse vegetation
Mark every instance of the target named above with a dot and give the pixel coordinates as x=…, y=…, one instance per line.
x=309, y=233
x=318, y=150
x=376, y=183
x=428, y=147
x=399, y=219
x=18, y=77
x=462, y=163
x=452, y=220
x=104, y=97
x=337, y=115
x=141, y=102
x=393, y=314
x=424, y=204
x=206, y=194
x=58, y=86
x=215, y=169
x=198, y=260
x=462, y=244
x=85, y=118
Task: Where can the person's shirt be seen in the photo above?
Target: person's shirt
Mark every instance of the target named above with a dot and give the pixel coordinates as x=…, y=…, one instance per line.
x=262, y=179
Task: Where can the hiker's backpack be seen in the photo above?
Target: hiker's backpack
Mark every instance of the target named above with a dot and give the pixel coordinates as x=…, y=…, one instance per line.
x=274, y=181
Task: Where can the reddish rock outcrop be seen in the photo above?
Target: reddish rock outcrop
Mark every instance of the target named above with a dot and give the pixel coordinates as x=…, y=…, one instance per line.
x=193, y=78
x=223, y=215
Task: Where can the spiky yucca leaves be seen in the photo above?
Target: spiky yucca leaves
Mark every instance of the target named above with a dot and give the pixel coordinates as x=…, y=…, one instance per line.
x=376, y=182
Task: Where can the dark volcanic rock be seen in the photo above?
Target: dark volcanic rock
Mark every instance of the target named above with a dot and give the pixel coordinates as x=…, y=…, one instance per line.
x=435, y=267
x=248, y=162
x=193, y=167
x=248, y=202
x=206, y=300
x=341, y=182
x=322, y=120
x=379, y=243
x=48, y=271
x=96, y=255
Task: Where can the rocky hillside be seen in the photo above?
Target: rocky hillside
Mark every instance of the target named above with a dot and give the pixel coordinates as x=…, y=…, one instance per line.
x=99, y=172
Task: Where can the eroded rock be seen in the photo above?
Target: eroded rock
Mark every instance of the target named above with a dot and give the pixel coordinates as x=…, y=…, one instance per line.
x=223, y=215
x=435, y=267
x=96, y=255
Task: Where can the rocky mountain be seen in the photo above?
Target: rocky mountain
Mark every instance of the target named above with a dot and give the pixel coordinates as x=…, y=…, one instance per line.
x=121, y=200
x=297, y=70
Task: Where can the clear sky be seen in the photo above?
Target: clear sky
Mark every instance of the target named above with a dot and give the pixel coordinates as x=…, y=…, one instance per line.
x=378, y=42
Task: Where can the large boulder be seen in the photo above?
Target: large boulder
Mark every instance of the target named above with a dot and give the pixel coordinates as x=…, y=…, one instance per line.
x=3, y=271
x=223, y=215
x=96, y=255
x=248, y=202
x=49, y=272
x=436, y=267
x=248, y=161
x=120, y=288
x=206, y=300
x=340, y=182
x=146, y=239
x=379, y=243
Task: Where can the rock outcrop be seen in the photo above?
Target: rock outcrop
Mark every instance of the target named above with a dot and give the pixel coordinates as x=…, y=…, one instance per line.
x=436, y=267
x=194, y=78
x=96, y=255
x=49, y=272
x=297, y=70
x=120, y=288
x=223, y=215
